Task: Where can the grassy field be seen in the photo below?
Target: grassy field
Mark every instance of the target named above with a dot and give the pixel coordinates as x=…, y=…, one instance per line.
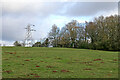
x=20, y=62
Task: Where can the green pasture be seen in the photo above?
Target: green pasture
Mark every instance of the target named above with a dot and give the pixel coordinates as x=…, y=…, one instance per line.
x=41, y=62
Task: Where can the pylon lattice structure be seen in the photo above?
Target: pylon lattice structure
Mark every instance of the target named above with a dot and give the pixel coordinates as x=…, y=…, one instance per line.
x=28, y=42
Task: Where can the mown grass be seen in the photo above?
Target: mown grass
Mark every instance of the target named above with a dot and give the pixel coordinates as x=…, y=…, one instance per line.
x=40, y=62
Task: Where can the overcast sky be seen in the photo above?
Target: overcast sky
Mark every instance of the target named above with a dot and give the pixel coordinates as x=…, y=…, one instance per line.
x=17, y=15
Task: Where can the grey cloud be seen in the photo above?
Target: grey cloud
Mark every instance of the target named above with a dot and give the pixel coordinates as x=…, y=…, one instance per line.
x=12, y=28
x=58, y=8
x=32, y=9
x=17, y=15
x=90, y=8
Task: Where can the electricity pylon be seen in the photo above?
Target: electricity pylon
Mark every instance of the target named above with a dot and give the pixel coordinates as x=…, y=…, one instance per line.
x=28, y=42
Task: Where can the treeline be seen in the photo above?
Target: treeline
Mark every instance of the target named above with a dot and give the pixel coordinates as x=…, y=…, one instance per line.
x=100, y=34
